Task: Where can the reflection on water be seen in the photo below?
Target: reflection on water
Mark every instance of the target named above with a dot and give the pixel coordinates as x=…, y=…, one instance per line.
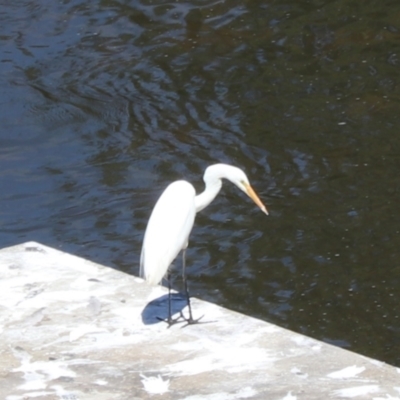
x=104, y=103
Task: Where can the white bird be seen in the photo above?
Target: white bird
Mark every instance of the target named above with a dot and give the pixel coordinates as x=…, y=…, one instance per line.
x=172, y=220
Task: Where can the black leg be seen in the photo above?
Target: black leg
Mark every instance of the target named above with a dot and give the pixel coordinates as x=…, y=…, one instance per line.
x=169, y=298
x=189, y=320
x=170, y=321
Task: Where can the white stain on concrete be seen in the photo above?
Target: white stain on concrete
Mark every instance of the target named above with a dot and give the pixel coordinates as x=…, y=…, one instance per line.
x=346, y=373
x=101, y=382
x=64, y=394
x=305, y=341
x=155, y=384
x=289, y=396
x=223, y=357
x=30, y=395
x=38, y=373
x=377, y=363
x=356, y=391
x=244, y=393
x=83, y=330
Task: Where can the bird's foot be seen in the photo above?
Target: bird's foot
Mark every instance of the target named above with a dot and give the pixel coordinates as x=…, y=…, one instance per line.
x=172, y=321
x=191, y=320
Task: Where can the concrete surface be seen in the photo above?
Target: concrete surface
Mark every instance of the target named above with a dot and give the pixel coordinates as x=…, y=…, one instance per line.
x=72, y=329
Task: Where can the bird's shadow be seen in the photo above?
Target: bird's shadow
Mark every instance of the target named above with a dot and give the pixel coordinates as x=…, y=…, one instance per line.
x=157, y=310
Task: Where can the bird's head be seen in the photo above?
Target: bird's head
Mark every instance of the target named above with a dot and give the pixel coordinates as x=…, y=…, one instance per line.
x=238, y=178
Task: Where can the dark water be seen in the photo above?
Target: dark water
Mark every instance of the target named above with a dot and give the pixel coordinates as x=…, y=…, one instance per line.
x=105, y=102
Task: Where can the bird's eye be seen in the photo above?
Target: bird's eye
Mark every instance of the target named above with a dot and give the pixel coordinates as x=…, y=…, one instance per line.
x=243, y=185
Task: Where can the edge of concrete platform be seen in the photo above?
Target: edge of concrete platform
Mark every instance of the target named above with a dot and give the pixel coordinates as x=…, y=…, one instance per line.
x=73, y=329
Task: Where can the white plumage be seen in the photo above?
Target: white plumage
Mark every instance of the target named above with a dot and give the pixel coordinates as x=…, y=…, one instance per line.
x=172, y=220
x=163, y=242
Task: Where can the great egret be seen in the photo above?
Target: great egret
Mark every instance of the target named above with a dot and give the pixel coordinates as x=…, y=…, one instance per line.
x=172, y=220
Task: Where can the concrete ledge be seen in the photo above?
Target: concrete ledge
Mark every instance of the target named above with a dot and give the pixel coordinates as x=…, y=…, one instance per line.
x=72, y=329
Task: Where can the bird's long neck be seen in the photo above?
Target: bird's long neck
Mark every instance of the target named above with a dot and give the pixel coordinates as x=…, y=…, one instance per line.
x=202, y=200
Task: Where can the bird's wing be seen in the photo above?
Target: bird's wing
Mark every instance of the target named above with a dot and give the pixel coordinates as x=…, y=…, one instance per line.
x=168, y=230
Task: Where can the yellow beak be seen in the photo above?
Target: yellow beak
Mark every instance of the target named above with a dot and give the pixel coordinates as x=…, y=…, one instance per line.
x=253, y=195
